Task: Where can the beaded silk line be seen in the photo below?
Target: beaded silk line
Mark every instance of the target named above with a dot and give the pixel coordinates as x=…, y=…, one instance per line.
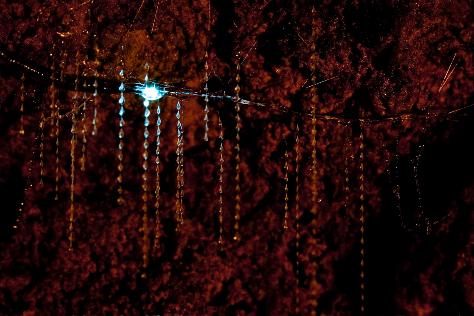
x=314, y=172
x=297, y=219
x=237, y=155
x=221, y=184
x=146, y=134
x=156, y=243
x=286, y=206
x=22, y=105
x=179, y=167
x=73, y=157
x=121, y=136
x=84, y=128
x=362, y=221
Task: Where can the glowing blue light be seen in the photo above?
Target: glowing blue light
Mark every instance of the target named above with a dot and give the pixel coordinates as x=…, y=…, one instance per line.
x=151, y=93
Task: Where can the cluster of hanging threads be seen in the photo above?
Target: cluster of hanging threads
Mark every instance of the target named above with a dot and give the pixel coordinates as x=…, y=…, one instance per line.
x=237, y=154
x=362, y=221
x=179, y=166
x=286, y=207
x=221, y=184
x=297, y=218
x=146, y=134
x=22, y=105
x=156, y=243
x=72, y=154
x=314, y=172
x=121, y=136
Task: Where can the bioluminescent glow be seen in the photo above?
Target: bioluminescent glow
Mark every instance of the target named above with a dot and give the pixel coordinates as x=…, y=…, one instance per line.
x=151, y=93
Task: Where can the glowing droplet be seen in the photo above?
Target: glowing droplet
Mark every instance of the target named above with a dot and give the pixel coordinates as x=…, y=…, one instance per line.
x=151, y=92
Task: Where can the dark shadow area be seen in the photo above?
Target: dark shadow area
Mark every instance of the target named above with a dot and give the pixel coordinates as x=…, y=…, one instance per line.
x=446, y=170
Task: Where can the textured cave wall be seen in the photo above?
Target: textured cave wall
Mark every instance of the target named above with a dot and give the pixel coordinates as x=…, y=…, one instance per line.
x=387, y=57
